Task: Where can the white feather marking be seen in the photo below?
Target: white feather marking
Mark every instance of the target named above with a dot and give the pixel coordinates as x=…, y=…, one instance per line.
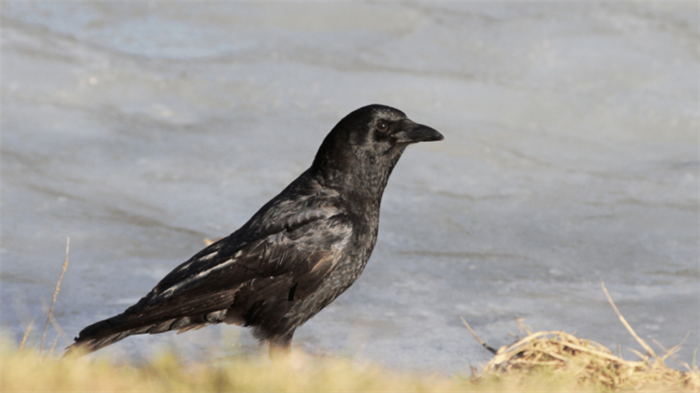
x=208, y=257
x=185, y=266
x=171, y=291
x=213, y=269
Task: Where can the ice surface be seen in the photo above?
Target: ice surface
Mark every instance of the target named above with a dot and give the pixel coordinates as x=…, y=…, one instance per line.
x=571, y=157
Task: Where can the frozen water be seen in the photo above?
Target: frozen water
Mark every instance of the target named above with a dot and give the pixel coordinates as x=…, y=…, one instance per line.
x=571, y=157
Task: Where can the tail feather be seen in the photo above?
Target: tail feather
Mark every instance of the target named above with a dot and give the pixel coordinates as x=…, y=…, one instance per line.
x=111, y=330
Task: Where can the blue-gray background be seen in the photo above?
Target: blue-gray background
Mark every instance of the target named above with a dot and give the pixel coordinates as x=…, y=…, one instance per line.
x=571, y=157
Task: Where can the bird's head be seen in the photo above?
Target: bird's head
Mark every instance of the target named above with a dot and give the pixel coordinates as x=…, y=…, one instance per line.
x=366, y=144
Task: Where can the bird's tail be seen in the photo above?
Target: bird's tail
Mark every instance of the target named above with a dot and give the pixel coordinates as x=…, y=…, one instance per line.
x=98, y=335
x=117, y=328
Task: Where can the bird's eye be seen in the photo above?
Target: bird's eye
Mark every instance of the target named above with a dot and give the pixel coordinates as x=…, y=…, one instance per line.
x=382, y=126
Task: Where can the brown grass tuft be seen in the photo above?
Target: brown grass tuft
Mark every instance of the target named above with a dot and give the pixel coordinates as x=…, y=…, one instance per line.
x=559, y=356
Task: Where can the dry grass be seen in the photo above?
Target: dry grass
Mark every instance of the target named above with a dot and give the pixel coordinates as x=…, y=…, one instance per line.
x=543, y=361
x=49, y=315
x=26, y=373
x=562, y=356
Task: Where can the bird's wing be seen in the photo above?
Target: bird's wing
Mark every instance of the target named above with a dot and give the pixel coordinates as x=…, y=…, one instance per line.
x=296, y=249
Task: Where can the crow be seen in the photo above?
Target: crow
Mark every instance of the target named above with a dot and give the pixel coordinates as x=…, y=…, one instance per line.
x=298, y=253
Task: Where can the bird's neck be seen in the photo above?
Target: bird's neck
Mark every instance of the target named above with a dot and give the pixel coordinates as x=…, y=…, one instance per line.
x=363, y=177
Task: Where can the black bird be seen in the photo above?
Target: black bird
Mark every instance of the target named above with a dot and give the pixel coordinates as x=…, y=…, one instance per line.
x=298, y=253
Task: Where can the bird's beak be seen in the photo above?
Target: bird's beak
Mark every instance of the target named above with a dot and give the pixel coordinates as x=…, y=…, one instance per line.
x=412, y=133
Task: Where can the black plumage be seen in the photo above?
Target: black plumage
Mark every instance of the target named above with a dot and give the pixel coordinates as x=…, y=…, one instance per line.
x=298, y=253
